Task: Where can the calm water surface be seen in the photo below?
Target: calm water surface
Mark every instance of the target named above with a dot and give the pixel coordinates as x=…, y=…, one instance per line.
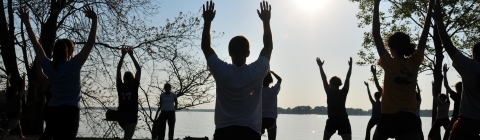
x=290, y=126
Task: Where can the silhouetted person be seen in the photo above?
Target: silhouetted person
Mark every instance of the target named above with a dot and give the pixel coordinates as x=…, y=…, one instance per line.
x=168, y=105
x=64, y=76
x=14, y=106
x=128, y=95
x=336, y=98
x=238, y=103
x=467, y=125
x=456, y=100
x=376, y=104
x=443, y=104
x=401, y=66
x=269, y=105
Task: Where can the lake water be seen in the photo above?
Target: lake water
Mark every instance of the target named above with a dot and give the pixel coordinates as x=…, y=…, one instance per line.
x=290, y=126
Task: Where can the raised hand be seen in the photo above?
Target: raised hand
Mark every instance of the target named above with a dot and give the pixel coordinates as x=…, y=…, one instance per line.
x=124, y=50
x=366, y=84
x=265, y=11
x=350, y=62
x=320, y=62
x=23, y=14
x=88, y=10
x=373, y=69
x=445, y=68
x=209, y=11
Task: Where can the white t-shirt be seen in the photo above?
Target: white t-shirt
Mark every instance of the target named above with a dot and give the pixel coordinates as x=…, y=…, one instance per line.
x=469, y=70
x=269, y=101
x=168, y=101
x=239, y=92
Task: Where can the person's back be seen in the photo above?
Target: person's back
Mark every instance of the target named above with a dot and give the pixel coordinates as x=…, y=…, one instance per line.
x=65, y=82
x=336, y=103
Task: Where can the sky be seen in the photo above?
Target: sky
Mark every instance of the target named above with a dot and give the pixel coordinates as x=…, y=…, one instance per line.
x=302, y=30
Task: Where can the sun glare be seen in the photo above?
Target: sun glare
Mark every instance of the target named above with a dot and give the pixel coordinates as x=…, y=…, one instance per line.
x=309, y=5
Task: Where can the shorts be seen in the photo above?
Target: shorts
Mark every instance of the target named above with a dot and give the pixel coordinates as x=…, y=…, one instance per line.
x=236, y=132
x=14, y=115
x=268, y=123
x=465, y=129
x=342, y=124
x=392, y=125
x=127, y=117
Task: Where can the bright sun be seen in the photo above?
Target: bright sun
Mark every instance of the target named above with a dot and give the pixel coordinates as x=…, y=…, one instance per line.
x=309, y=5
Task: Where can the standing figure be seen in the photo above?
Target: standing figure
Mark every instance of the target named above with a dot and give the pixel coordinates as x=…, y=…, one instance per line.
x=168, y=105
x=336, y=98
x=466, y=125
x=401, y=66
x=376, y=104
x=238, y=103
x=63, y=72
x=443, y=104
x=456, y=100
x=128, y=95
x=269, y=105
x=14, y=106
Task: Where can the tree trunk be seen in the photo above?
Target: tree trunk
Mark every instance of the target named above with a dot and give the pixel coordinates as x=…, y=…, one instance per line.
x=437, y=78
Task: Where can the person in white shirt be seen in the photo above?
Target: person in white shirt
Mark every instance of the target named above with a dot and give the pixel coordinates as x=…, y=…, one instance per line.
x=269, y=105
x=238, y=103
x=168, y=105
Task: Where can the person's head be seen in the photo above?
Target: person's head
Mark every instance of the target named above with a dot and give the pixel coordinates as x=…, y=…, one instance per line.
x=128, y=77
x=400, y=45
x=167, y=87
x=70, y=45
x=475, y=51
x=239, y=50
x=267, y=80
x=458, y=87
x=377, y=96
x=335, y=82
x=60, y=52
x=442, y=97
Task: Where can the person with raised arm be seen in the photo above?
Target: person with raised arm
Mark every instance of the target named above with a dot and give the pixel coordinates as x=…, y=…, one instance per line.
x=336, y=98
x=401, y=66
x=269, y=104
x=63, y=72
x=238, y=103
x=456, y=100
x=443, y=104
x=14, y=106
x=376, y=110
x=466, y=125
x=128, y=95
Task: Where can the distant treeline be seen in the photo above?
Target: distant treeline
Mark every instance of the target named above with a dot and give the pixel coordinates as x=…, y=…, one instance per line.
x=322, y=110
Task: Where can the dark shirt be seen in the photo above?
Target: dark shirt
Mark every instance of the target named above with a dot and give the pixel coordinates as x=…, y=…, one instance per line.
x=456, y=105
x=336, y=103
x=128, y=96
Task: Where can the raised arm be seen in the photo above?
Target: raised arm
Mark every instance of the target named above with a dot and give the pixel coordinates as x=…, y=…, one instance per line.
x=426, y=27
x=119, y=67
x=39, y=53
x=82, y=56
x=42, y=78
x=208, y=15
x=347, y=79
x=138, y=74
x=265, y=13
x=279, y=79
x=442, y=30
x=375, y=79
x=322, y=73
x=445, y=79
x=376, y=29
x=369, y=94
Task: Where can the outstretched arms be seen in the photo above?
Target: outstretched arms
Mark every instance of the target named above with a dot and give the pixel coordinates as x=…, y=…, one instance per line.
x=138, y=73
x=119, y=67
x=39, y=53
x=322, y=73
x=369, y=94
x=445, y=79
x=265, y=13
x=347, y=79
x=426, y=27
x=442, y=30
x=82, y=56
x=375, y=79
x=376, y=29
x=208, y=15
x=279, y=79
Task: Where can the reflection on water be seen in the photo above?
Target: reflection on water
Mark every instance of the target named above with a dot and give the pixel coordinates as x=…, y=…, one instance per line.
x=290, y=127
